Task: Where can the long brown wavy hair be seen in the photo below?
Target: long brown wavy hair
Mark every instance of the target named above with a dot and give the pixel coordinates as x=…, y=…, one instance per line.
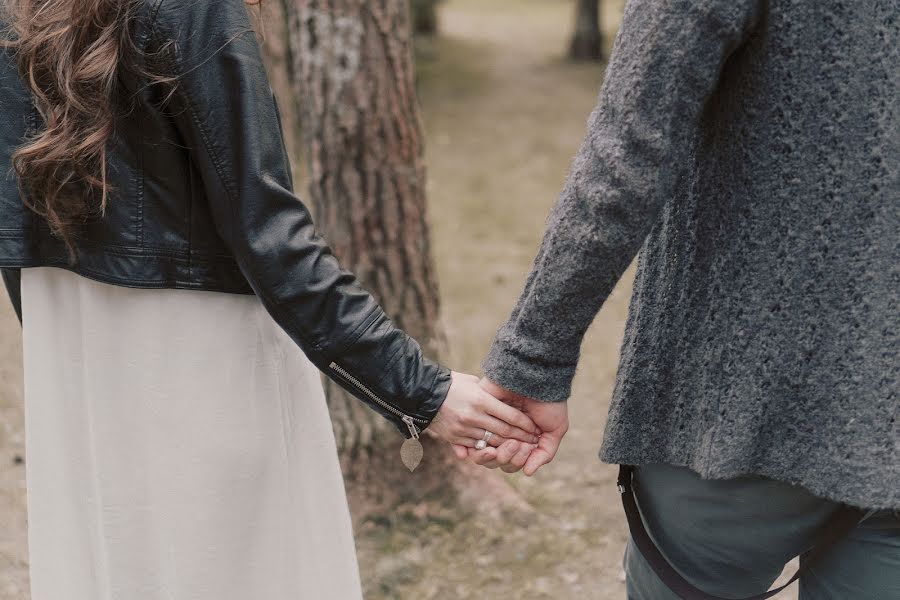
x=71, y=55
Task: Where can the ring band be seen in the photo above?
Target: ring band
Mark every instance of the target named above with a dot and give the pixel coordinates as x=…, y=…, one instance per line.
x=483, y=442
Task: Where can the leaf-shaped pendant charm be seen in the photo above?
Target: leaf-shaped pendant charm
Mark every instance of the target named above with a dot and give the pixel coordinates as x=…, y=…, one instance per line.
x=411, y=453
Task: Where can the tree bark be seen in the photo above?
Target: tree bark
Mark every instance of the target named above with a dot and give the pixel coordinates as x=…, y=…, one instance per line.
x=272, y=27
x=349, y=70
x=587, y=42
x=365, y=156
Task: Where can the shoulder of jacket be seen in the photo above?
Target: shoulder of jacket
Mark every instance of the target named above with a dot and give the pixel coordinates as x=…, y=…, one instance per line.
x=198, y=22
x=186, y=9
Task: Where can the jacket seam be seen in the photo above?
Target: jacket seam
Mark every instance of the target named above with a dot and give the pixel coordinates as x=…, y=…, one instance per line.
x=214, y=156
x=16, y=234
x=103, y=277
x=133, y=252
x=354, y=336
x=189, y=220
x=176, y=65
x=101, y=274
x=394, y=357
x=140, y=176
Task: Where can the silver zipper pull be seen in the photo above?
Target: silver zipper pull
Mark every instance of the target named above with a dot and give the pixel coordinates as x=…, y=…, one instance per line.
x=411, y=451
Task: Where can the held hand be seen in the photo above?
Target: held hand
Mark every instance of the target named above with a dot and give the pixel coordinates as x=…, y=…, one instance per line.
x=469, y=411
x=551, y=417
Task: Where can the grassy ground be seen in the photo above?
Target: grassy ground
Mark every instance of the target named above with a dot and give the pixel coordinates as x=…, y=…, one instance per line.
x=504, y=113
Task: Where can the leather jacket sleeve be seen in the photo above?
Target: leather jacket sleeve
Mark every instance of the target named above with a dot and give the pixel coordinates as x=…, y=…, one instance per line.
x=225, y=111
x=12, y=278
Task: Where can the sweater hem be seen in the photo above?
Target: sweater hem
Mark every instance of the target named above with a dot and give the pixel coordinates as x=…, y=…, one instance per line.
x=832, y=480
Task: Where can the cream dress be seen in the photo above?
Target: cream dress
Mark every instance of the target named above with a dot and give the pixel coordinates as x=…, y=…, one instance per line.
x=179, y=448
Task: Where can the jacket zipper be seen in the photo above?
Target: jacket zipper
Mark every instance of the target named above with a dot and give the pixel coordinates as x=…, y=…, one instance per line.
x=409, y=420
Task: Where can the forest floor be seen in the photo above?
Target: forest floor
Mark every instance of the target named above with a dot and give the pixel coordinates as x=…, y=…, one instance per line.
x=504, y=113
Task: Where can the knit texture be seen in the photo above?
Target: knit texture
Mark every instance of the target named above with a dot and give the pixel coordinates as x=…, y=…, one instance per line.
x=750, y=150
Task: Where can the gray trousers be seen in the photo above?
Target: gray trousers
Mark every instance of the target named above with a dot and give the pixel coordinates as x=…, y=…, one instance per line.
x=732, y=538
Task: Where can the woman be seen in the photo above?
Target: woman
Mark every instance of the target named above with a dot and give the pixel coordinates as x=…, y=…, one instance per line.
x=179, y=443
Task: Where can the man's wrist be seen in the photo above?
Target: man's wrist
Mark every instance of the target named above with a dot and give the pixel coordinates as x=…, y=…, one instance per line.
x=526, y=376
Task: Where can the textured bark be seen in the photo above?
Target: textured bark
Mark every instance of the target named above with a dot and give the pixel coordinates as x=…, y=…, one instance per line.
x=587, y=42
x=273, y=29
x=349, y=72
x=352, y=74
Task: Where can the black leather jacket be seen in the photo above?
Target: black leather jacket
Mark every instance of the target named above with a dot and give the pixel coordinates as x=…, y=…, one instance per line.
x=202, y=200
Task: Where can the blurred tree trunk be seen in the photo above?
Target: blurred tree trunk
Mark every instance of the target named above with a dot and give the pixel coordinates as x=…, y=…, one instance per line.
x=351, y=78
x=273, y=30
x=587, y=42
x=360, y=128
x=424, y=15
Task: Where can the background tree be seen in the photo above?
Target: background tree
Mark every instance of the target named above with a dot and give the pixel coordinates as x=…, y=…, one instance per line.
x=587, y=41
x=348, y=80
x=424, y=16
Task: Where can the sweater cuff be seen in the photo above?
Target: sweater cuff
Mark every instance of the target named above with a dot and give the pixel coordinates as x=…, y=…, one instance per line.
x=529, y=377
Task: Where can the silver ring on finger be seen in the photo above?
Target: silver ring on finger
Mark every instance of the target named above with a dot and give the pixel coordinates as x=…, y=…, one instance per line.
x=483, y=442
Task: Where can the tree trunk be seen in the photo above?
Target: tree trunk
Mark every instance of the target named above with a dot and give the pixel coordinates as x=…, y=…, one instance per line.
x=587, y=42
x=352, y=80
x=273, y=30
x=424, y=14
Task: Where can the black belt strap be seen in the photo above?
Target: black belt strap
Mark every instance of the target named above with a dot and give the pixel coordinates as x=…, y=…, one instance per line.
x=839, y=525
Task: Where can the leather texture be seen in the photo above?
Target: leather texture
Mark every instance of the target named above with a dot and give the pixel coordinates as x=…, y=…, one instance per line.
x=202, y=199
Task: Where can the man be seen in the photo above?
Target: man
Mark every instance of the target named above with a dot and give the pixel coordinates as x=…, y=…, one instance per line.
x=751, y=151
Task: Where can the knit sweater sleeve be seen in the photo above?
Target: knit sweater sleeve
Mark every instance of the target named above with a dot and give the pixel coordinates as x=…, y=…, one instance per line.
x=665, y=65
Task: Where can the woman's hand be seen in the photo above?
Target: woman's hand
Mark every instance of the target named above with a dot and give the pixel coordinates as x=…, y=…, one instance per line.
x=469, y=411
x=551, y=417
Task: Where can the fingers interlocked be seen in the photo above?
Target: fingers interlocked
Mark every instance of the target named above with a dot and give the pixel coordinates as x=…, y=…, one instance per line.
x=502, y=422
x=510, y=456
x=470, y=416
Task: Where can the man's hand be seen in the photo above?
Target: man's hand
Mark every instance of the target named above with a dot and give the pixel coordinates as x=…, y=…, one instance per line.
x=551, y=417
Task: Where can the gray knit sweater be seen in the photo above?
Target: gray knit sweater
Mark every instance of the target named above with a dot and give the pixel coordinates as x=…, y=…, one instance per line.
x=750, y=150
